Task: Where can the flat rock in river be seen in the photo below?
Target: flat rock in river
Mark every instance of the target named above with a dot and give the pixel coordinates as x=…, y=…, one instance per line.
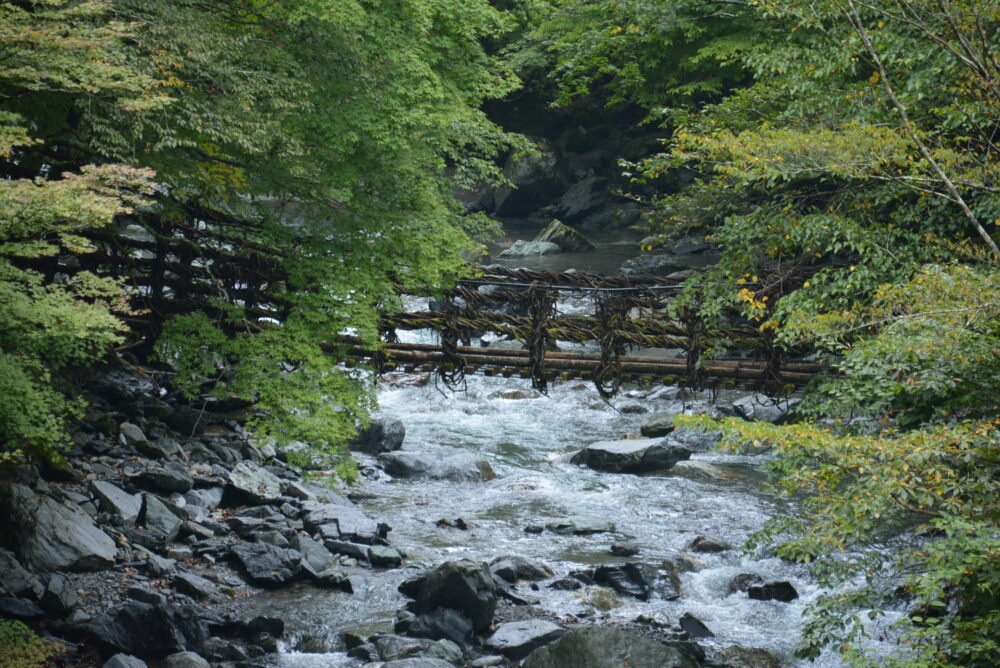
x=580, y=525
x=522, y=248
x=631, y=455
x=518, y=639
x=604, y=646
x=460, y=466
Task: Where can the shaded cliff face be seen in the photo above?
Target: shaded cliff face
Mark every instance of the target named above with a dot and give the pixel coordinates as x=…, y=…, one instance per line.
x=575, y=176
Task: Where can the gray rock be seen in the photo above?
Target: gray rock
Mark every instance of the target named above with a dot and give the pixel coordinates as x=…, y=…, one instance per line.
x=694, y=440
x=762, y=408
x=515, y=394
x=297, y=490
x=145, y=630
x=564, y=236
x=518, y=639
x=707, y=544
x=122, y=387
x=385, y=557
x=157, y=516
x=443, y=623
x=166, y=480
x=275, y=538
x=625, y=549
x=460, y=466
x=14, y=578
x=384, y=434
x=131, y=433
x=334, y=578
x=53, y=537
x=463, y=585
x=153, y=450
x=124, y=661
x=19, y=608
x=522, y=248
x=209, y=498
x=657, y=425
x=418, y=662
x=59, y=597
x=744, y=581
x=773, y=591
x=445, y=650
x=604, y=647
x=735, y=656
x=694, y=626
x=194, y=586
x=353, y=550
x=633, y=579
x=185, y=660
x=112, y=499
x=254, y=484
x=514, y=567
x=345, y=523
x=632, y=455
x=267, y=565
x=579, y=525
x=654, y=265
x=315, y=557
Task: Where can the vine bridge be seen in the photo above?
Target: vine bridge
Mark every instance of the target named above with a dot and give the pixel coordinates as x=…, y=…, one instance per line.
x=615, y=314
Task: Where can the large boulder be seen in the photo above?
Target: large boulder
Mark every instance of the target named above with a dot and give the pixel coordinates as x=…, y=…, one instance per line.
x=653, y=265
x=464, y=585
x=631, y=455
x=146, y=630
x=522, y=248
x=607, y=647
x=267, y=565
x=773, y=591
x=112, y=499
x=657, y=425
x=513, y=567
x=632, y=579
x=460, y=466
x=344, y=523
x=384, y=434
x=761, y=408
x=52, y=536
x=157, y=516
x=565, y=237
x=254, y=484
x=15, y=579
x=518, y=639
x=580, y=526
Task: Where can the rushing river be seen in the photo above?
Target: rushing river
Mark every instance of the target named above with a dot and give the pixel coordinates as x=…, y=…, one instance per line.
x=526, y=442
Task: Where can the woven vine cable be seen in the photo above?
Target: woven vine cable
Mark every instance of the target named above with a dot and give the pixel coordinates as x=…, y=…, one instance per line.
x=695, y=347
x=543, y=308
x=451, y=371
x=610, y=312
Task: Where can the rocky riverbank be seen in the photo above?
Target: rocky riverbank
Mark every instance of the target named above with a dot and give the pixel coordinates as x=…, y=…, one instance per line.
x=146, y=549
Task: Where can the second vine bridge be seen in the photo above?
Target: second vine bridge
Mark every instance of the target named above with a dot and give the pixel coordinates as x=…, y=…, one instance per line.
x=618, y=313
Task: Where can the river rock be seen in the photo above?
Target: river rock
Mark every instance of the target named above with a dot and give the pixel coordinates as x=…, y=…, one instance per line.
x=165, y=480
x=385, y=557
x=52, y=536
x=112, y=499
x=695, y=440
x=463, y=585
x=513, y=567
x=601, y=598
x=522, y=248
x=625, y=549
x=631, y=455
x=515, y=394
x=744, y=581
x=564, y=236
x=443, y=623
x=418, y=662
x=15, y=579
x=654, y=265
x=384, y=434
x=157, y=516
x=579, y=525
x=773, y=591
x=762, y=408
x=707, y=544
x=254, y=484
x=124, y=661
x=633, y=579
x=267, y=565
x=142, y=629
x=657, y=425
x=460, y=466
x=19, y=608
x=518, y=639
x=694, y=626
x=735, y=656
x=605, y=646
x=60, y=597
x=194, y=586
x=315, y=557
x=185, y=660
